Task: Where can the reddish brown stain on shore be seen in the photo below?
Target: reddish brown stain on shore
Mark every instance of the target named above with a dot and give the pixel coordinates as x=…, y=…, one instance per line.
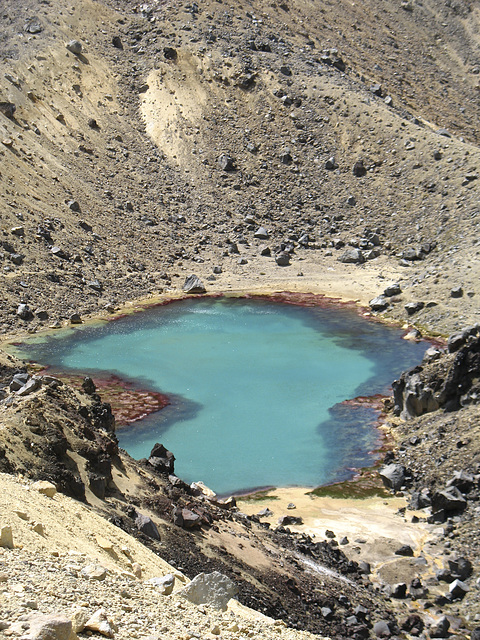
x=129, y=403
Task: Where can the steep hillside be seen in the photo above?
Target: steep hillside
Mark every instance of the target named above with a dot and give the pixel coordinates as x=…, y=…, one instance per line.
x=112, y=185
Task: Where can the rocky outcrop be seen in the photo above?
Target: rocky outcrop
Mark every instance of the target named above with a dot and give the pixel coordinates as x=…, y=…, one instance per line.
x=447, y=379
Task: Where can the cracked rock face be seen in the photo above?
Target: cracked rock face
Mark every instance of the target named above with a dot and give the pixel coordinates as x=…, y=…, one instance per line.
x=449, y=380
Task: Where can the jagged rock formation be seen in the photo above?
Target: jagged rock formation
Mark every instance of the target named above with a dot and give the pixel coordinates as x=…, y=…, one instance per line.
x=447, y=379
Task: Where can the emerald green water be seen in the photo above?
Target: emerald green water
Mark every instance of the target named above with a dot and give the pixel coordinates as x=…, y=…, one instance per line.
x=255, y=386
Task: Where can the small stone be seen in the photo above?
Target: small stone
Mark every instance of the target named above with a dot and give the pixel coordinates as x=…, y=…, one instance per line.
x=331, y=164
x=74, y=46
x=226, y=162
x=380, y=303
x=165, y=584
x=79, y=618
x=414, y=307
x=8, y=109
x=282, y=259
x=94, y=572
x=6, y=537
x=352, y=256
x=405, y=550
x=38, y=528
x=117, y=42
x=359, y=169
x=24, y=312
x=75, y=319
x=456, y=292
x=381, y=629
x=261, y=234
x=392, y=290
x=44, y=487
x=440, y=630
x=458, y=589
x=99, y=622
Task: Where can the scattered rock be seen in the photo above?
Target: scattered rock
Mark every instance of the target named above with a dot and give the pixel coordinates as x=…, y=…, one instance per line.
x=282, y=259
x=352, y=256
x=193, y=284
x=380, y=303
x=226, y=162
x=261, y=234
x=393, y=476
x=6, y=537
x=392, y=290
x=24, y=312
x=147, y=526
x=458, y=589
x=165, y=584
x=440, y=629
x=414, y=307
x=99, y=622
x=213, y=589
x=8, y=109
x=74, y=46
x=286, y=520
x=381, y=629
x=162, y=460
x=359, y=169
x=44, y=487
x=50, y=627
x=405, y=550
x=94, y=572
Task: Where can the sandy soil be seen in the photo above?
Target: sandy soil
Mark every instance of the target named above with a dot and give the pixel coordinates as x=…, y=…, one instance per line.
x=374, y=527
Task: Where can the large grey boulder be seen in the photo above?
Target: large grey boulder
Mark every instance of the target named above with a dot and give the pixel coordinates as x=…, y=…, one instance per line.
x=193, y=284
x=393, y=476
x=213, y=589
x=50, y=627
x=352, y=256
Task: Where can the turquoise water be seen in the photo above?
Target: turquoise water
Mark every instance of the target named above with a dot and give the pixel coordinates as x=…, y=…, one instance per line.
x=254, y=385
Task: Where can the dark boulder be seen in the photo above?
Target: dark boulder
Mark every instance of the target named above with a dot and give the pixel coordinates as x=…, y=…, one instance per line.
x=405, y=550
x=147, y=526
x=450, y=499
x=282, y=259
x=359, y=169
x=393, y=476
x=8, y=109
x=380, y=303
x=162, y=460
x=414, y=307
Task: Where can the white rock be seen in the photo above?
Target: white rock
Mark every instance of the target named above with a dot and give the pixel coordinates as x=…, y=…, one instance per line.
x=47, y=488
x=79, y=619
x=6, y=537
x=94, y=572
x=50, y=627
x=213, y=589
x=99, y=622
x=165, y=584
